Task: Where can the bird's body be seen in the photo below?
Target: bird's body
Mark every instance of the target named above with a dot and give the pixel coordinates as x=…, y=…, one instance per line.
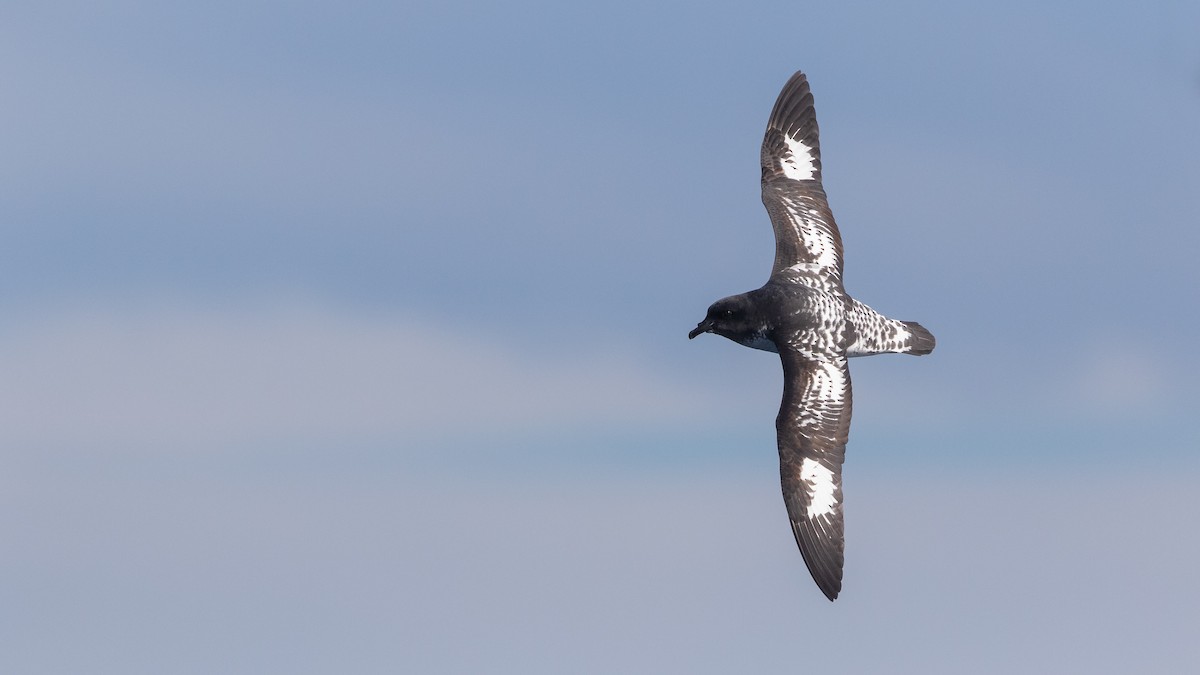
x=804, y=314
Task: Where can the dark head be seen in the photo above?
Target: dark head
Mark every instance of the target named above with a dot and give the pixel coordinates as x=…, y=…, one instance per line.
x=734, y=317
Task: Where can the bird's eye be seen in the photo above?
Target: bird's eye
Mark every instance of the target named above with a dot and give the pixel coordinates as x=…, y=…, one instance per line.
x=728, y=313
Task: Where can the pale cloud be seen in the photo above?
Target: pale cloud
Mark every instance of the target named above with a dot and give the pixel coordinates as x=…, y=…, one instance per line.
x=194, y=377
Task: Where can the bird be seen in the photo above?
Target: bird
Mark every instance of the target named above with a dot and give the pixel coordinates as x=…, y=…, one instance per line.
x=804, y=314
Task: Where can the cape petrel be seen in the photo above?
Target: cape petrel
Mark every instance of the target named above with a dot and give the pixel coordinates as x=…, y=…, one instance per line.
x=805, y=315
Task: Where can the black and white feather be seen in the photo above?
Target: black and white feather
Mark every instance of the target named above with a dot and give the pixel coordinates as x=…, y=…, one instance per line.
x=804, y=314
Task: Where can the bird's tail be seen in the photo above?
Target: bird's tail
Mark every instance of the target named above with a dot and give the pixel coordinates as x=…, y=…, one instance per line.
x=874, y=333
x=920, y=341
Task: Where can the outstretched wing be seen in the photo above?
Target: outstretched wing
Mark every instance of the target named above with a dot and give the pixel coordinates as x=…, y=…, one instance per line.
x=813, y=424
x=806, y=237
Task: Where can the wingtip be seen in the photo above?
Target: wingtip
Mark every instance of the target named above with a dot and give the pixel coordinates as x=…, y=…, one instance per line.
x=791, y=145
x=831, y=588
x=824, y=559
x=793, y=105
x=797, y=77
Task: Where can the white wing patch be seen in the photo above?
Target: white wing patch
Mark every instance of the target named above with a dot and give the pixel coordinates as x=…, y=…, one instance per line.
x=798, y=164
x=820, y=481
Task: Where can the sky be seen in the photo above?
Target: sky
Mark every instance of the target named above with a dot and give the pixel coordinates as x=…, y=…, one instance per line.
x=351, y=337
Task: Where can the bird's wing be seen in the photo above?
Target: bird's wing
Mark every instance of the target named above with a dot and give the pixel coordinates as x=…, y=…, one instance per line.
x=806, y=237
x=813, y=424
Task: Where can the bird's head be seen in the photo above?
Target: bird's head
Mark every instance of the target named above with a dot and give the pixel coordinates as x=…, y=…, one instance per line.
x=733, y=317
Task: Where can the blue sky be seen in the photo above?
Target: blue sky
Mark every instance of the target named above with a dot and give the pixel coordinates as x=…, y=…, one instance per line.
x=352, y=337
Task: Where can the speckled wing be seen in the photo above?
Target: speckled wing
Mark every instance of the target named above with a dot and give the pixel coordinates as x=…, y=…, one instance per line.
x=806, y=237
x=813, y=424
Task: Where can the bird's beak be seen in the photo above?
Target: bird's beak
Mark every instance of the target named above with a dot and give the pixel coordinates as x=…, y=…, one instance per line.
x=702, y=327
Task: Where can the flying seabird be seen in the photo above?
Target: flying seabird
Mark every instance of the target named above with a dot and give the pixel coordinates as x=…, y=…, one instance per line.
x=805, y=315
